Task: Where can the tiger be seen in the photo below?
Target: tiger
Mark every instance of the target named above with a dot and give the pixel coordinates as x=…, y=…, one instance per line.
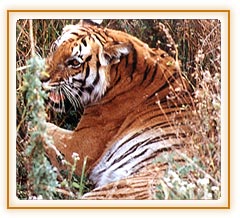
x=134, y=100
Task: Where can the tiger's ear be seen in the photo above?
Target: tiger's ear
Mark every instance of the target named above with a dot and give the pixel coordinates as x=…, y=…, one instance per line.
x=112, y=52
x=90, y=22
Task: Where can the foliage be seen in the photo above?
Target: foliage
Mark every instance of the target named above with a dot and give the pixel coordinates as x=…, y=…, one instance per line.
x=42, y=176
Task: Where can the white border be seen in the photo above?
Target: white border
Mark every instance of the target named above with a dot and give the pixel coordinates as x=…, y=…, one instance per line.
x=222, y=16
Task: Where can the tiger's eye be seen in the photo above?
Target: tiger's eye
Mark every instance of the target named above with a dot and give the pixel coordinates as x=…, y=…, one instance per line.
x=73, y=63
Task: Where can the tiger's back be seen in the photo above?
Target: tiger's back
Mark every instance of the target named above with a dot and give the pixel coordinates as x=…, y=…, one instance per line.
x=135, y=105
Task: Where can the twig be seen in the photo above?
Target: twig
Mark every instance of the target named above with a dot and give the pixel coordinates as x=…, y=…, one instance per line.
x=32, y=38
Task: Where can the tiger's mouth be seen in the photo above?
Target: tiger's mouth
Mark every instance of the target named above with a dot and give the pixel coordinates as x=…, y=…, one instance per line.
x=56, y=97
x=53, y=95
x=63, y=95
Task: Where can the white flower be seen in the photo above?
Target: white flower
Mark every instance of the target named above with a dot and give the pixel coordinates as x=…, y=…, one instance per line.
x=215, y=188
x=203, y=181
x=191, y=186
x=75, y=156
x=209, y=196
x=175, y=177
x=40, y=197
x=182, y=189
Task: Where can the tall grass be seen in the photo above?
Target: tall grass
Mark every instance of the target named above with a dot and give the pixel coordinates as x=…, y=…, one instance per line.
x=196, y=44
x=199, y=51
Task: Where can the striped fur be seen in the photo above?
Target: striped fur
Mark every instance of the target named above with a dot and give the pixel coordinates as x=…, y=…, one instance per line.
x=134, y=100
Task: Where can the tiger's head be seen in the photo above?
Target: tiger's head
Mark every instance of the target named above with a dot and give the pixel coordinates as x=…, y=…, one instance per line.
x=78, y=66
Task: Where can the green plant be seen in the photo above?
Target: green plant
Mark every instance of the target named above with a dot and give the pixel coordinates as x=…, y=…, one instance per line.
x=42, y=175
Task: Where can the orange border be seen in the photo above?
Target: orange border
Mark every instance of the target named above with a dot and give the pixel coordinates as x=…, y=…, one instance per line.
x=113, y=207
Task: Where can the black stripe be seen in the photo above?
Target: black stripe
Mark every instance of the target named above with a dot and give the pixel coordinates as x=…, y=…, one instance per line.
x=84, y=42
x=130, y=151
x=88, y=58
x=129, y=160
x=87, y=72
x=117, y=80
x=96, y=80
x=80, y=56
x=132, y=137
x=80, y=48
x=141, y=154
x=82, y=81
x=154, y=73
x=103, y=36
x=134, y=64
x=77, y=80
x=165, y=85
x=73, y=33
x=99, y=39
x=117, y=76
x=98, y=65
x=126, y=63
x=146, y=72
x=169, y=135
x=88, y=89
x=129, y=139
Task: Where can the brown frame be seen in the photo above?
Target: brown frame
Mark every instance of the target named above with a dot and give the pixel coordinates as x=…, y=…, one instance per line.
x=109, y=207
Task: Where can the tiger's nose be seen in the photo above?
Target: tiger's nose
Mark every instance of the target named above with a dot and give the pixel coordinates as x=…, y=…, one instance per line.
x=44, y=76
